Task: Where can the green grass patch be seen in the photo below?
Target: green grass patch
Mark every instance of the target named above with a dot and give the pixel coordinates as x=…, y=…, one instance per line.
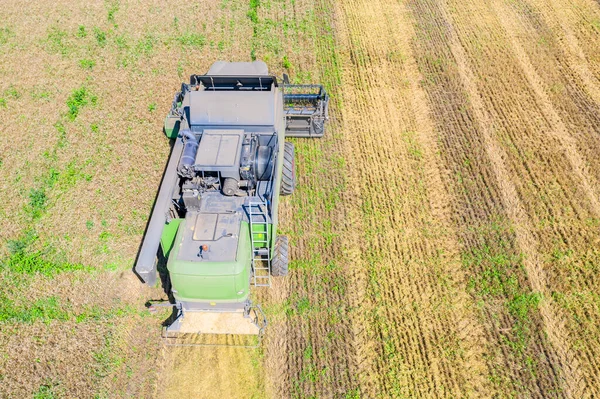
x=48, y=390
x=40, y=93
x=100, y=36
x=12, y=92
x=45, y=310
x=24, y=262
x=51, y=309
x=192, y=39
x=38, y=200
x=87, y=63
x=6, y=34
x=81, y=32
x=252, y=13
x=112, y=10
x=145, y=45
x=106, y=360
x=78, y=99
x=56, y=42
x=494, y=279
x=286, y=62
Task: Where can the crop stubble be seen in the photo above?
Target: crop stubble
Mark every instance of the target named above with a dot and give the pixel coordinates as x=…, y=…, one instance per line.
x=457, y=178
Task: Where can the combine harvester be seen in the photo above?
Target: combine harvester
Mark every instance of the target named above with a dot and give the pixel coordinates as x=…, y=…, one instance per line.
x=215, y=215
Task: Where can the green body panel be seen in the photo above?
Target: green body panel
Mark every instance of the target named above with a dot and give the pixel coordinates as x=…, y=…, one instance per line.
x=169, y=233
x=212, y=281
x=172, y=126
x=258, y=231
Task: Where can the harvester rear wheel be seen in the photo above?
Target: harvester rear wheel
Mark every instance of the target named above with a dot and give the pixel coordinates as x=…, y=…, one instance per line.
x=279, y=263
x=288, y=179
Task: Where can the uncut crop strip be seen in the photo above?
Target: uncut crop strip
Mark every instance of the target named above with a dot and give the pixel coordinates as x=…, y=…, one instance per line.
x=484, y=198
x=404, y=258
x=560, y=220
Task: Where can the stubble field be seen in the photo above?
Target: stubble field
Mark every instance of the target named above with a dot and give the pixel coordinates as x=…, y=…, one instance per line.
x=445, y=233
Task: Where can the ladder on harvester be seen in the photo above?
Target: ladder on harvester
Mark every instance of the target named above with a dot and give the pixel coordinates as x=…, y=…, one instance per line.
x=261, y=244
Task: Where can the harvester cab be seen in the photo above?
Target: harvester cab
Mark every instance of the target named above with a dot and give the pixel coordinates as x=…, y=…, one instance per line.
x=215, y=216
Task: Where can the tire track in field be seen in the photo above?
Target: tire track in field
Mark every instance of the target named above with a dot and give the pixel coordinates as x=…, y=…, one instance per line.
x=557, y=73
x=551, y=214
x=579, y=20
x=559, y=20
x=452, y=86
x=558, y=130
x=552, y=65
x=512, y=204
x=419, y=335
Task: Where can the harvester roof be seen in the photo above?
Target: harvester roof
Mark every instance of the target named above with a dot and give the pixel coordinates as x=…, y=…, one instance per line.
x=231, y=108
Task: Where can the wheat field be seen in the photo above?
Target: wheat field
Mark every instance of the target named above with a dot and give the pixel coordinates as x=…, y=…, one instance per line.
x=445, y=233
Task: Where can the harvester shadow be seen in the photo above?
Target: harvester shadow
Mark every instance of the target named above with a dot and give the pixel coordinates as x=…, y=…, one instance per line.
x=165, y=282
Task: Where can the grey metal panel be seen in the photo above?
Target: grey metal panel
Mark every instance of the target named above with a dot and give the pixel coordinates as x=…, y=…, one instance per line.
x=220, y=150
x=207, y=151
x=205, y=226
x=212, y=226
x=220, y=232
x=232, y=108
x=227, y=152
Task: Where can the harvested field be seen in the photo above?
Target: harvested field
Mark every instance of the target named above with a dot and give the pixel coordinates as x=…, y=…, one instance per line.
x=445, y=233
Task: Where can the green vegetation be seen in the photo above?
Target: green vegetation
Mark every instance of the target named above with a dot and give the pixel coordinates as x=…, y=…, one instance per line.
x=21, y=261
x=12, y=92
x=6, y=34
x=56, y=42
x=87, y=63
x=494, y=277
x=53, y=308
x=40, y=93
x=78, y=99
x=286, y=62
x=37, y=202
x=253, y=11
x=192, y=39
x=113, y=8
x=145, y=46
x=48, y=390
x=106, y=360
x=45, y=310
x=100, y=36
x=81, y=32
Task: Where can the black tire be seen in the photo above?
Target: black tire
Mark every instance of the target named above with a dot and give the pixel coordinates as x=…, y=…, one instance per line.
x=279, y=263
x=288, y=178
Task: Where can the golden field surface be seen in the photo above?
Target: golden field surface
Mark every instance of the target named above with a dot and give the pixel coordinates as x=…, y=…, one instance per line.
x=445, y=233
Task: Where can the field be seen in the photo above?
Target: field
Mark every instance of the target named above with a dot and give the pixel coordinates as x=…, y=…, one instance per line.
x=445, y=233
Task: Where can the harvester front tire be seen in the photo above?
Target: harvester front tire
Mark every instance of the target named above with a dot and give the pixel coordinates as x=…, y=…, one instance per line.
x=288, y=178
x=279, y=263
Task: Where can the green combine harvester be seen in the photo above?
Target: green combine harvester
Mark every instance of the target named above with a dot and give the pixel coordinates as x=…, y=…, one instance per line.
x=215, y=215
